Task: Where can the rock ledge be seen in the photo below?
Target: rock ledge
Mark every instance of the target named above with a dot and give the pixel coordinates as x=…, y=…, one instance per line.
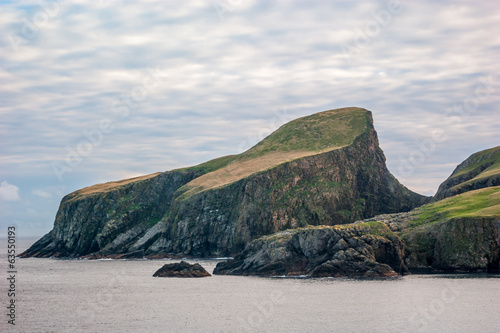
x=368, y=250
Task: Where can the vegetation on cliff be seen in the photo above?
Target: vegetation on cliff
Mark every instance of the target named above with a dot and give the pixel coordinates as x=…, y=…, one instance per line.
x=311, y=135
x=460, y=233
x=457, y=234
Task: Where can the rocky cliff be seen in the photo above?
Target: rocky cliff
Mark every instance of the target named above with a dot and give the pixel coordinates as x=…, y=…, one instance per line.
x=460, y=233
x=466, y=244
x=457, y=234
x=362, y=250
x=324, y=169
x=109, y=217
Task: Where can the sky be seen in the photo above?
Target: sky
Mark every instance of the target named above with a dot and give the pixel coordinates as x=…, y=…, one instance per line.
x=96, y=91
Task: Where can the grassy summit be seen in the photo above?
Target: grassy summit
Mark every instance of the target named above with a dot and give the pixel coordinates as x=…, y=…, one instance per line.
x=488, y=157
x=320, y=132
x=310, y=135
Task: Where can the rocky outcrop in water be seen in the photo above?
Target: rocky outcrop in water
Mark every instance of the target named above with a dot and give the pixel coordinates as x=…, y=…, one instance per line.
x=365, y=250
x=182, y=269
x=325, y=169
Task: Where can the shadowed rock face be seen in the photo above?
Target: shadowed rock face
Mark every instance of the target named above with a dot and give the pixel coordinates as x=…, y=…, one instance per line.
x=182, y=270
x=466, y=244
x=456, y=234
x=340, y=179
x=110, y=222
x=355, y=251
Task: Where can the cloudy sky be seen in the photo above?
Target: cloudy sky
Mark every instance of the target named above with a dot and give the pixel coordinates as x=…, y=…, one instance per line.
x=94, y=91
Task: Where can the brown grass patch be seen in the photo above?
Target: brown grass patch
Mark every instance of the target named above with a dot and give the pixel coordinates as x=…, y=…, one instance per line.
x=240, y=169
x=106, y=187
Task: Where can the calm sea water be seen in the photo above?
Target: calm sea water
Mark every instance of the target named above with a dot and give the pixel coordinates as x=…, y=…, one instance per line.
x=122, y=296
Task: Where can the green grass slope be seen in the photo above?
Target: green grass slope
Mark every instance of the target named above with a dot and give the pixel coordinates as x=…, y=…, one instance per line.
x=484, y=202
x=480, y=170
x=315, y=133
x=460, y=233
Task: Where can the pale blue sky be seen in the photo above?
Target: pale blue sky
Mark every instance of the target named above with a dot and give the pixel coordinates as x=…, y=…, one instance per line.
x=158, y=85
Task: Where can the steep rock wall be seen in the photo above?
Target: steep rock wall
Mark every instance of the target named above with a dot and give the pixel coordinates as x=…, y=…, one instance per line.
x=466, y=244
x=111, y=221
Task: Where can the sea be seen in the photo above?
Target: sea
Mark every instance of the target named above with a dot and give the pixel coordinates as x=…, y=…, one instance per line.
x=54, y=295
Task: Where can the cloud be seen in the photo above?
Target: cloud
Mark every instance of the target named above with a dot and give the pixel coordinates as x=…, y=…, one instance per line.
x=41, y=193
x=227, y=75
x=9, y=192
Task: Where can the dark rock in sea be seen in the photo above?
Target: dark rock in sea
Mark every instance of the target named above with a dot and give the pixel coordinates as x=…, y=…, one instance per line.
x=364, y=250
x=182, y=269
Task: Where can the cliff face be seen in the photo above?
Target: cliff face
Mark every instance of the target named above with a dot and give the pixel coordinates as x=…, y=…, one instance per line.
x=456, y=234
x=109, y=220
x=323, y=169
x=461, y=245
x=480, y=170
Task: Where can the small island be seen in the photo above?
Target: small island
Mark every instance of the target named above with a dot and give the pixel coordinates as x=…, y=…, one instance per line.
x=182, y=269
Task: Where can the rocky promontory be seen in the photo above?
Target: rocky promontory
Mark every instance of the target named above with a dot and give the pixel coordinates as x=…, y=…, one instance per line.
x=323, y=169
x=366, y=250
x=454, y=235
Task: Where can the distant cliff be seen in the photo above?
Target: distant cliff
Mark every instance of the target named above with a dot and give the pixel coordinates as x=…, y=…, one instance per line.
x=324, y=169
x=480, y=170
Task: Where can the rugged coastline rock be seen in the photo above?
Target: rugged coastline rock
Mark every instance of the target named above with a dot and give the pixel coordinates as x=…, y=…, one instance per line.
x=456, y=234
x=324, y=169
x=182, y=269
x=109, y=218
x=366, y=250
x=465, y=244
